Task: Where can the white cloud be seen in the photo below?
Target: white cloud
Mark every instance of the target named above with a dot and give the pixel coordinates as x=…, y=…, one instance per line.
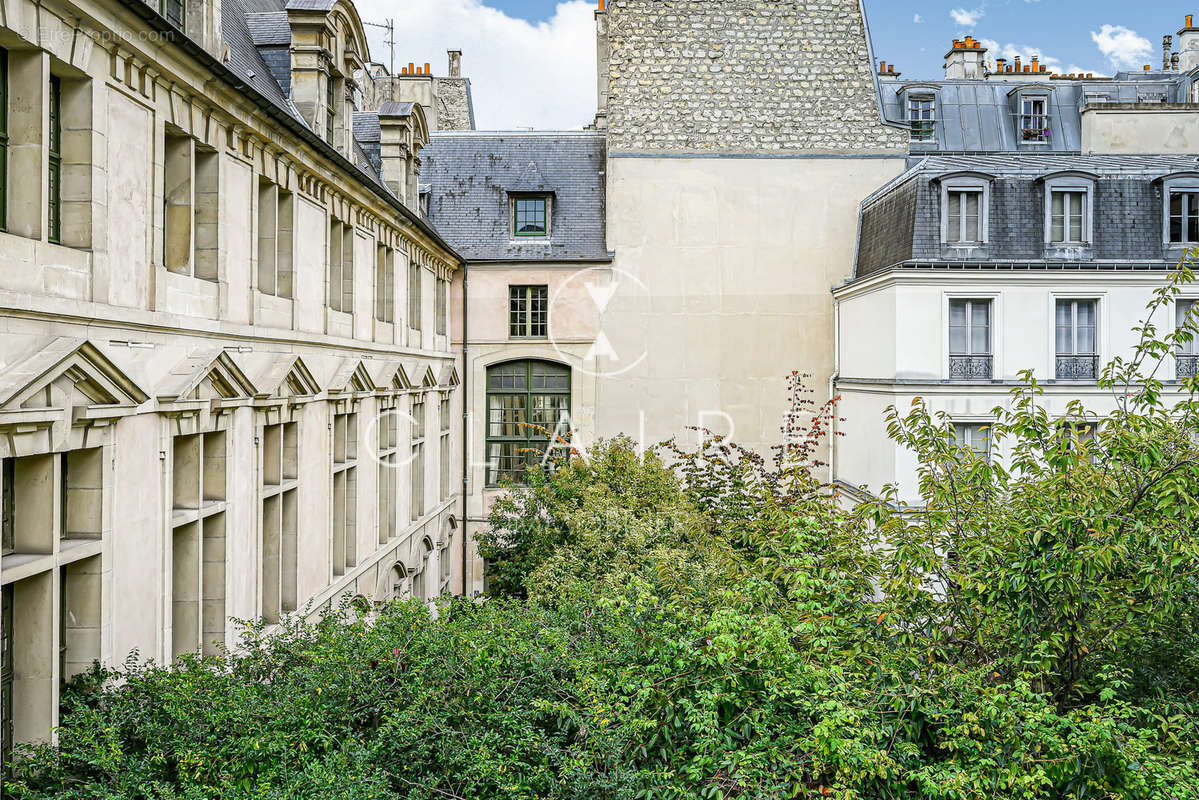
x=521, y=74
x=1010, y=50
x=918, y=19
x=967, y=18
x=1122, y=47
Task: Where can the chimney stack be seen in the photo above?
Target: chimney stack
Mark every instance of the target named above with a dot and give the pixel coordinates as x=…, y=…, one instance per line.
x=1188, y=45
x=602, y=64
x=1167, y=43
x=455, y=63
x=965, y=60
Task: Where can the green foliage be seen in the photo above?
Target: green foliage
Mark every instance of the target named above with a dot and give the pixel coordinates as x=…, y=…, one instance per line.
x=706, y=623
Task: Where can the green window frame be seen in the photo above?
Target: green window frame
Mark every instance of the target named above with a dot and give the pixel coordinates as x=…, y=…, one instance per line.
x=526, y=402
x=3, y=139
x=530, y=217
x=174, y=12
x=528, y=312
x=54, y=159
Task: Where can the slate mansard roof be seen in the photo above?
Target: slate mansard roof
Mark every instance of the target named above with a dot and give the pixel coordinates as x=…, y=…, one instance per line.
x=471, y=176
x=900, y=224
x=981, y=115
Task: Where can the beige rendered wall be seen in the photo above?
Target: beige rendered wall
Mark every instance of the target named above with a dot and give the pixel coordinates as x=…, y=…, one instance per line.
x=723, y=274
x=1141, y=129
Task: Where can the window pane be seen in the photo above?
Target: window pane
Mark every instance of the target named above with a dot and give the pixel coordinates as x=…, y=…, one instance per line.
x=957, y=312
x=1085, y=315
x=954, y=227
x=972, y=217
x=507, y=415
x=1059, y=203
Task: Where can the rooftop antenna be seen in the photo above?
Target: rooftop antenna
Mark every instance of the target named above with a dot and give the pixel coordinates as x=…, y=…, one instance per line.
x=388, y=25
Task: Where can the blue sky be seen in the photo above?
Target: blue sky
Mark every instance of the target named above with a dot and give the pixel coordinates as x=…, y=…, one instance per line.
x=916, y=34
x=532, y=62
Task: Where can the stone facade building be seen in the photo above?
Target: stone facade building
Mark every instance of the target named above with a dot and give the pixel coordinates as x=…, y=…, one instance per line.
x=741, y=138
x=226, y=382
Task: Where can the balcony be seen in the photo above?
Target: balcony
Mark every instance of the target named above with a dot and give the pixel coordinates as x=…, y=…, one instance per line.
x=1033, y=128
x=1077, y=368
x=970, y=368
x=1187, y=366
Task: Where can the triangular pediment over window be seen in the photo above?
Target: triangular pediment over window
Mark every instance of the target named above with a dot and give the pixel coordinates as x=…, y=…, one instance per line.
x=449, y=377
x=210, y=375
x=389, y=375
x=67, y=373
x=351, y=377
x=429, y=381
x=284, y=376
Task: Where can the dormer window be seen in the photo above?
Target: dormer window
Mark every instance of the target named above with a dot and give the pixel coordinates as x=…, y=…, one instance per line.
x=965, y=202
x=173, y=11
x=922, y=117
x=530, y=217
x=1034, y=122
x=330, y=107
x=1184, y=217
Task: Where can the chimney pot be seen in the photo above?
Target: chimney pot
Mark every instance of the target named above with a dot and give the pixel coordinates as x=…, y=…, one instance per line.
x=882, y=67
x=411, y=68
x=455, y=63
x=603, y=5
x=1190, y=20
x=428, y=69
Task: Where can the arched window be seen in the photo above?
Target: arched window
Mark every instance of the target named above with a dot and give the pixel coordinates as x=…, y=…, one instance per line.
x=527, y=402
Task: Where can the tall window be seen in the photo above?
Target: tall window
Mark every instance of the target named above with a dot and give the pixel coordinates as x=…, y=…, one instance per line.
x=444, y=455
x=385, y=301
x=964, y=216
x=1184, y=217
x=330, y=107
x=3, y=140
x=922, y=116
x=54, y=196
x=976, y=436
x=341, y=266
x=276, y=211
x=1067, y=217
x=1187, y=355
x=417, y=464
x=530, y=216
x=60, y=542
x=528, y=402
x=1034, y=124
x=173, y=11
x=345, y=492
x=528, y=312
x=387, y=430
x=442, y=305
x=198, y=552
x=191, y=173
x=414, y=295
x=970, y=340
x=280, y=519
x=1077, y=343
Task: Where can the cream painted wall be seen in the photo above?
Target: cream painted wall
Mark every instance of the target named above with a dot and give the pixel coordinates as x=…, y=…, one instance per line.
x=724, y=267
x=911, y=309
x=1142, y=129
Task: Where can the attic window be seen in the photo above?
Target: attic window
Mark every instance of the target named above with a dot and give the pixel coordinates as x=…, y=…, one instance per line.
x=1034, y=121
x=530, y=216
x=173, y=11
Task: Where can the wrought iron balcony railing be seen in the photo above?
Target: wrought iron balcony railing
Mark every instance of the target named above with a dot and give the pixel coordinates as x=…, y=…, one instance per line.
x=970, y=368
x=1187, y=366
x=1077, y=368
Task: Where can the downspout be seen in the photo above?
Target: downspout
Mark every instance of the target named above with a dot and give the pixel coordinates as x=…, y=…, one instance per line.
x=465, y=431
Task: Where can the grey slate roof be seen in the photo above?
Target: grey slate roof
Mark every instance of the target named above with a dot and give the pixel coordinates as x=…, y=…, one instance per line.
x=981, y=115
x=901, y=223
x=471, y=175
x=1020, y=164
x=245, y=58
